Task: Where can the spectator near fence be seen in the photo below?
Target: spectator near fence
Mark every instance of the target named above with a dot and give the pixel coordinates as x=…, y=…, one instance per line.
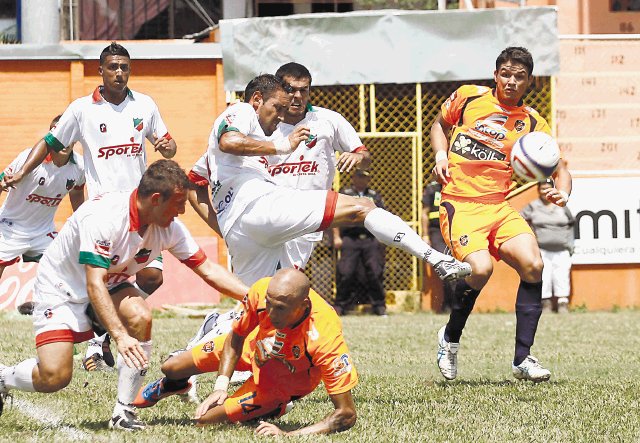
x=553, y=227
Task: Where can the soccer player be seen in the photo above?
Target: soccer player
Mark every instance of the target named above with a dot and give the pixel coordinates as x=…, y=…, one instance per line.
x=291, y=339
x=257, y=217
x=26, y=217
x=472, y=139
x=112, y=124
x=106, y=241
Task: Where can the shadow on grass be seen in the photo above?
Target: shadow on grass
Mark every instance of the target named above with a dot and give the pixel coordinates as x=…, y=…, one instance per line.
x=494, y=383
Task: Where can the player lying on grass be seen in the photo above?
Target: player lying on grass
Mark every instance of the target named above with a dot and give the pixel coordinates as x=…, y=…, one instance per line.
x=100, y=247
x=291, y=340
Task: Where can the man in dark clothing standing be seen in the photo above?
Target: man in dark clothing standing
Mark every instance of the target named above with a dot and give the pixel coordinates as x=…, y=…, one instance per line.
x=359, y=251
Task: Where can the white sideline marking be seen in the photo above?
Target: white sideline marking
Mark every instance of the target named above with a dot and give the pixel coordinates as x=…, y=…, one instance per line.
x=49, y=419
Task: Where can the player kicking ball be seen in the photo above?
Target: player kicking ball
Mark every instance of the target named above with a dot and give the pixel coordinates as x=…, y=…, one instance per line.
x=102, y=245
x=472, y=139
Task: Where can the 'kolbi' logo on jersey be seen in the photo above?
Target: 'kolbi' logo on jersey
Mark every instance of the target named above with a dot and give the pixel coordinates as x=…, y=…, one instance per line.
x=138, y=123
x=474, y=150
x=142, y=256
x=128, y=150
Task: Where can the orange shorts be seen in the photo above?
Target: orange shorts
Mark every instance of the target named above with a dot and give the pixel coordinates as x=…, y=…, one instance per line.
x=277, y=385
x=469, y=227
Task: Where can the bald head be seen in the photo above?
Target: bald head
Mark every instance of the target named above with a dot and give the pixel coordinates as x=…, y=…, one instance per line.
x=287, y=297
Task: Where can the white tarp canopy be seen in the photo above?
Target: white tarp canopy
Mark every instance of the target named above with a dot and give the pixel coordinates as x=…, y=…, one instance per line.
x=388, y=46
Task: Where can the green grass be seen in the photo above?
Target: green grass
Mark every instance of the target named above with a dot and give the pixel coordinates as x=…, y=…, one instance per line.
x=592, y=395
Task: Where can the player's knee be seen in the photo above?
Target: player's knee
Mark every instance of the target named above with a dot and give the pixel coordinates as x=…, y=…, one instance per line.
x=53, y=379
x=173, y=368
x=533, y=271
x=481, y=274
x=139, y=321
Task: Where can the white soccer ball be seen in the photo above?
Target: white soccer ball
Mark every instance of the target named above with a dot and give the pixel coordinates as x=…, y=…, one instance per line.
x=535, y=156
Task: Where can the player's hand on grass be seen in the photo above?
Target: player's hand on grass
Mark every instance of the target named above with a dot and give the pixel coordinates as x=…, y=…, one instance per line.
x=265, y=428
x=133, y=354
x=556, y=196
x=349, y=160
x=441, y=171
x=216, y=398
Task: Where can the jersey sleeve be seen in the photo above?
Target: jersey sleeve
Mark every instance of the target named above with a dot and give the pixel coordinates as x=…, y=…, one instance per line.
x=65, y=132
x=248, y=319
x=200, y=172
x=336, y=364
x=452, y=108
x=346, y=139
x=157, y=125
x=184, y=247
x=96, y=242
x=239, y=118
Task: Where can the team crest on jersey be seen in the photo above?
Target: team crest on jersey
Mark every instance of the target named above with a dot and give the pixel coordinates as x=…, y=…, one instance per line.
x=519, y=125
x=311, y=141
x=138, y=123
x=464, y=240
x=341, y=365
x=103, y=127
x=296, y=351
x=48, y=313
x=115, y=259
x=70, y=183
x=142, y=256
x=103, y=247
x=208, y=347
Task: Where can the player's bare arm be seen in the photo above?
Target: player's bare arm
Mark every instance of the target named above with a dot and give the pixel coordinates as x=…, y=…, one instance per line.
x=341, y=419
x=201, y=203
x=440, y=143
x=128, y=347
x=76, y=197
x=559, y=194
x=35, y=158
x=222, y=280
x=228, y=359
x=166, y=147
x=236, y=143
x=350, y=160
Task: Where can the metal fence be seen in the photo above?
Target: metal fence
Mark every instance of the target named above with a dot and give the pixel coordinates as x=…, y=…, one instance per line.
x=393, y=121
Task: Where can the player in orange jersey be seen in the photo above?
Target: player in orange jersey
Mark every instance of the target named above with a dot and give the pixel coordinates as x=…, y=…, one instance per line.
x=472, y=139
x=290, y=339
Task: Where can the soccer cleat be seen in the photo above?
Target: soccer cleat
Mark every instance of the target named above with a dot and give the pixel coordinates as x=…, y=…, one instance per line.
x=154, y=392
x=126, y=421
x=4, y=392
x=106, y=352
x=447, y=356
x=531, y=370
x=452, y=269
x=191, y=396
x=96, y=363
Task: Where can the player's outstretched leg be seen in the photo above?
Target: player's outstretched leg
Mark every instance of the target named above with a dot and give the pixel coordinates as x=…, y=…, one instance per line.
x=155, y=391
x=393, y=231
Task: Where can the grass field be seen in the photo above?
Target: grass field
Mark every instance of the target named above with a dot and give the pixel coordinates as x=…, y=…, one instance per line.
x=592, y=395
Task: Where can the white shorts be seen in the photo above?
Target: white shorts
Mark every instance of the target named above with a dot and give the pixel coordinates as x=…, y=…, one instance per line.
x=556, y=275
x=256, y=241
x=55, y=322
x=297, y=253
x=12, y=246
x=156, y=263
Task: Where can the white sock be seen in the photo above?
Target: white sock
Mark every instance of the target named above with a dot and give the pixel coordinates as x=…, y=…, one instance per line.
x=144, y=294
x=393, y=231
x=20, y=376
x=94, y=346
x=130, y=380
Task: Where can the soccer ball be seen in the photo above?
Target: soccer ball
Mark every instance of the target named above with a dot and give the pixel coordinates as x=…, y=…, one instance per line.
x=535, y=156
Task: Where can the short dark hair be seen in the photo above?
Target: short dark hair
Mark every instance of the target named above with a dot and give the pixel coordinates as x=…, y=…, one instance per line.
x=267, y=84
x=293, y=69
x=163, y=176
x=113, y=49
x=516, y=54
x=55, y=120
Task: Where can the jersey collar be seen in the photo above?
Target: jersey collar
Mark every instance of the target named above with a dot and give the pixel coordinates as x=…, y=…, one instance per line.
x=98, y=98
x=134, y=217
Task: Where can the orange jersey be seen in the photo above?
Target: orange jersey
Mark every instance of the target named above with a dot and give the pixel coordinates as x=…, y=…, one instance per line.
x=314, y=349
x=484, y=131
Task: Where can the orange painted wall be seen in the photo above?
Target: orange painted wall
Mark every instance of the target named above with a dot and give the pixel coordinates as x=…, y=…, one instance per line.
x=189, y=94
